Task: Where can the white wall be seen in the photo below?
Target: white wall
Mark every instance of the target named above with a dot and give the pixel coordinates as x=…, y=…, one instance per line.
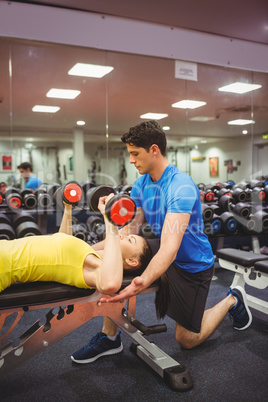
x=235, y=149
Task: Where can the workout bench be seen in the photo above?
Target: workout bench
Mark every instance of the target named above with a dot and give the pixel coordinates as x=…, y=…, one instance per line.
x=249, y=268
x=76, y=307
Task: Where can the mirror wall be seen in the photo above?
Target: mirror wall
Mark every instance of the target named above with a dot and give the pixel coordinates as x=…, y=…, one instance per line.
x=201, y=141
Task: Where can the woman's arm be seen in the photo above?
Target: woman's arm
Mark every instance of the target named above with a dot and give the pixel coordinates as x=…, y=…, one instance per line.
x=110, y=274
x=66, y=222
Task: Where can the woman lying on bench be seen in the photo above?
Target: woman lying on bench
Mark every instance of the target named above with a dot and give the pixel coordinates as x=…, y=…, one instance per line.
x=70, y=260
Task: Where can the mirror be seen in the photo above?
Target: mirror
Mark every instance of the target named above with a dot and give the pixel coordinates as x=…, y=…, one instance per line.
x=201, y=141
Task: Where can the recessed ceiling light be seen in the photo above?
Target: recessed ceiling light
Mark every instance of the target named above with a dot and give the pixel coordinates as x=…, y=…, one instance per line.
x=202, y=119
x=89, y=70
x=188, y=104
x=240, y=122
x=203, y=141
x=45, y=109
x=80, y=123
x=244, y=131
x=239, y=87
x=63, y=93
x=166, y=128
x=154, y=116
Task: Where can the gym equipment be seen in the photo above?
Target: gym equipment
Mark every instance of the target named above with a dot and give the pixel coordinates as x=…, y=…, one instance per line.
x=25, y=225
x=51, y=188
x=207, y=195
x=1, y=197
x=258, y=194
x=6, y=230
x=76, y=307
x=227, y=203
x=249, y=268
x=80, y=230
x=29, y=198
x=13, y=198
x=96, y=225
x=44, y=200
x=207, y=213
x=120, y=209
x=86, y=185
x=229, y=222
x=126, y=189
x=94, y=194
x=239, y=195
x=70, y=193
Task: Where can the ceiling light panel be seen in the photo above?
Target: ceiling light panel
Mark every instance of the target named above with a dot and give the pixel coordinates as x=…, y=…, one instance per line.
x=240, y=122
x=154, y=116
x=188, y=104
x=239, y=87
x=62, y=93
x=45, y=109
x=90, y=70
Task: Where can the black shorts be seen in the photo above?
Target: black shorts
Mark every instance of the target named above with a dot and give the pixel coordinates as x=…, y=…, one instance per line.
x=188, y=295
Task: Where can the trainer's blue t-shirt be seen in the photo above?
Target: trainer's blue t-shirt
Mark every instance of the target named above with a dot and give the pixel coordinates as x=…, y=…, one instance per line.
x=175, y=191
x=33, y=182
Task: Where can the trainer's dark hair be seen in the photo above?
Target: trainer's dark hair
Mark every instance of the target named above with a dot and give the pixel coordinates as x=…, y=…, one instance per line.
x=25, y=165
x=146, y=134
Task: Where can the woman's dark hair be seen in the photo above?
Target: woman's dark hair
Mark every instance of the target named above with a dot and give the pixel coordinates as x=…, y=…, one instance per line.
x=144, y=259
x=145, y=134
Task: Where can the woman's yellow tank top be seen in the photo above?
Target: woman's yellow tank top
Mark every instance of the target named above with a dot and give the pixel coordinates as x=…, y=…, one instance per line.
x=57, y=257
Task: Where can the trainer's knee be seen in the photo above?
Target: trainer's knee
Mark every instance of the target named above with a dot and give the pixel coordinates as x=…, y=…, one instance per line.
x=186, y=339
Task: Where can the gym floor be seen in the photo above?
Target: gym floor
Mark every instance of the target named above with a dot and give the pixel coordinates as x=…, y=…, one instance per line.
x=230, y=365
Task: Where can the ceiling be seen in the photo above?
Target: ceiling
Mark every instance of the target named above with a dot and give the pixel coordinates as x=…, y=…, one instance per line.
x=138, y=84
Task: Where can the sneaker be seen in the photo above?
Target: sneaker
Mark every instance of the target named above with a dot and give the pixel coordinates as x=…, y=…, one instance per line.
x=99, y=345
x=240, y=313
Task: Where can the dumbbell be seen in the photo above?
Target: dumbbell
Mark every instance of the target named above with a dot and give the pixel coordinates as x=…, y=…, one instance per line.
x=44, y=200
x=207, y=213
x=239, y=195
x=227, y=203
x=223, y=191
x=51, y=188
x=120, y=209
x=13, y=198
x=80, y=230
x=29, y=198
x=207, y=195
x=258, y=194
x=86, y=185
x=70, y=193
x=257, y=223
x=229, y=222
x=6, y=230
x=25, y=225
x=96, y=225
x=201, y=186
x=1, y=197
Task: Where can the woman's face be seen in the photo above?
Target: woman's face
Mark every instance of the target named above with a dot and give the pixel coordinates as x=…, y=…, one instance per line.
x=131, y=245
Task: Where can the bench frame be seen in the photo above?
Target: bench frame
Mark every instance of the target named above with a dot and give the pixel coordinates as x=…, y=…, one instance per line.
x=71, y=315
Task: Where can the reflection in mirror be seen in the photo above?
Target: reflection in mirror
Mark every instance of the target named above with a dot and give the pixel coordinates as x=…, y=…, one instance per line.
x=61, y=150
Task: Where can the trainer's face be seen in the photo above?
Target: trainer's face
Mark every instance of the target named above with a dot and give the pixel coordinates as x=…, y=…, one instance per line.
x=140, y=158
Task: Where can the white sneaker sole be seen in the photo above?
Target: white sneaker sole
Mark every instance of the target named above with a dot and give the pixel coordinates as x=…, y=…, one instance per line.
x=106, y=353
x=242, y=291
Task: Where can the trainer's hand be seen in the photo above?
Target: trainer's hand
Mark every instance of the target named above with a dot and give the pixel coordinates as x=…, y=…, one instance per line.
x=136, y=286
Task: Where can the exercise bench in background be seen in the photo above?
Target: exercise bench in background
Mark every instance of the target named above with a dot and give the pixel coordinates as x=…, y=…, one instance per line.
x=76, y=307
x=249, y=268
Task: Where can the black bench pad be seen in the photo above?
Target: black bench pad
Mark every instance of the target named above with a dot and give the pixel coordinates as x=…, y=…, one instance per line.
x=262, y=266
x=39, y=293
x=244, y=258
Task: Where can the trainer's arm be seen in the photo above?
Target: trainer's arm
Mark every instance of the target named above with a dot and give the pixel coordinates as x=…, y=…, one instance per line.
x=66, y=222
x=171, y=237
x=173, y=231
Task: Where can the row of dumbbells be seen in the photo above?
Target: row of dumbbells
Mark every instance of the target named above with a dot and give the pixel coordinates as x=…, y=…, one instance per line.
x=229, y=210
x=47, y=196
x=255, y=191
x=120, y=210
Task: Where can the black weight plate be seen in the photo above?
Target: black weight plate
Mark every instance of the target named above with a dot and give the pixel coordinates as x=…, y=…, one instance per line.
x=94, y=194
